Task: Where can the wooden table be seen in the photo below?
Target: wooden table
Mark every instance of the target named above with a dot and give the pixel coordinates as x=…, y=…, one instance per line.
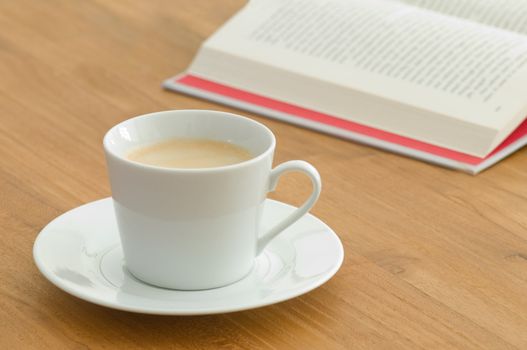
x=434, y=258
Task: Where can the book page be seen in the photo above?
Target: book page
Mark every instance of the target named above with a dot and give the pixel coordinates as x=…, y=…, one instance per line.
x=506, y=14
x=468, y=62
x=463, y=70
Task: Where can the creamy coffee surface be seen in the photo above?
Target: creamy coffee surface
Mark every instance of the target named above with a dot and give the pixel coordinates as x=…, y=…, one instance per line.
x=190, y=153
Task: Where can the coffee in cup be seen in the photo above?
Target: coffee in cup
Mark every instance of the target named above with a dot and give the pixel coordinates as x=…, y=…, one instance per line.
x=195, y=225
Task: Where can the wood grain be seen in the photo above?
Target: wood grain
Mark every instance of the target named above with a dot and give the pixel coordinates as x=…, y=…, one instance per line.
x=435, y=259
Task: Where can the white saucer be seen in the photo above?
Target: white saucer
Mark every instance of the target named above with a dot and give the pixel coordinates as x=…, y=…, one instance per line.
x=80, y=253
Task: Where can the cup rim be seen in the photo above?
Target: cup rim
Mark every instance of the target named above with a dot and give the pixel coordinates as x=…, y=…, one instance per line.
x=109, y=151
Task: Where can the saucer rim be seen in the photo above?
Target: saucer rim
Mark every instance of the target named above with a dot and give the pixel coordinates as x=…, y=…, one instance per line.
x=190, y=312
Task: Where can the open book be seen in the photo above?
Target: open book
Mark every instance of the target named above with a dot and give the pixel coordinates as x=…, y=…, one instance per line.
x=440, y=80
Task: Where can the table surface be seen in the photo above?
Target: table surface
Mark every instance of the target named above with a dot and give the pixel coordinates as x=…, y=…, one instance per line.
x=434, y=258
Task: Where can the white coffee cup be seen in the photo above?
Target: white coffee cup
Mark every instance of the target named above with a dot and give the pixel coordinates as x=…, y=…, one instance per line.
x=195, y=228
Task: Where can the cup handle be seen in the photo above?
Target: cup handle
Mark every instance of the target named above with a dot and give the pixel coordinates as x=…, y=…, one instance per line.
x=292, y=165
